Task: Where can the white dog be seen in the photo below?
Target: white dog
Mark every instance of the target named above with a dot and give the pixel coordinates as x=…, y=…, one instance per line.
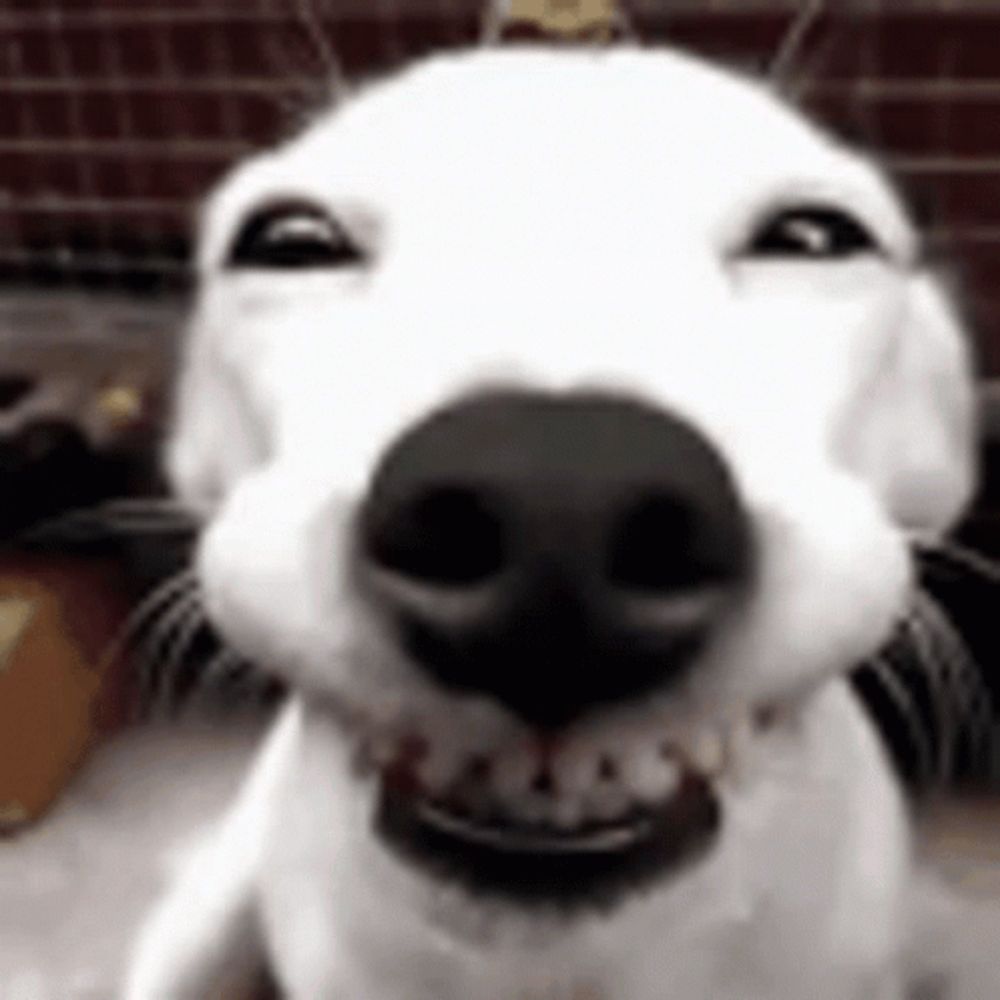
x=560, y=420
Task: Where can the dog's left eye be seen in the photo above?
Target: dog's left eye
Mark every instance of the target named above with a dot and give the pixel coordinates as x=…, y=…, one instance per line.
x=293, y=235
x=818, y=232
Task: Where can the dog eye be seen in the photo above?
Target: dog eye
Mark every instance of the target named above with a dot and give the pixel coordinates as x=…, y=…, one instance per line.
x=293, y=236
x=817, y=232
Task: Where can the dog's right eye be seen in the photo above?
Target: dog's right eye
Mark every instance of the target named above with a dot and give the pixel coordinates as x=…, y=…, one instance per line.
x=817, y=232
x=293, y=235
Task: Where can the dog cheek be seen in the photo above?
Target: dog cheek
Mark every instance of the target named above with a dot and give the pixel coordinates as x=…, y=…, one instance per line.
x=910, y=431
x=267, y=567
x=832, y=579
x=937, y=425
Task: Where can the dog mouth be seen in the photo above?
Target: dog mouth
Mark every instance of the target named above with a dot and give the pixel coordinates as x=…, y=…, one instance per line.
x=541, y=827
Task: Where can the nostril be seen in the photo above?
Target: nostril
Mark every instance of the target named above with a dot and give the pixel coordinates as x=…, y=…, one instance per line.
x=445, y=535
x=663, y=544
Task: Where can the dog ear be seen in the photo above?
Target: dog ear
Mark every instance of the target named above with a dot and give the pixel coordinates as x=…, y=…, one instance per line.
x=928, y=416
x=215, y=437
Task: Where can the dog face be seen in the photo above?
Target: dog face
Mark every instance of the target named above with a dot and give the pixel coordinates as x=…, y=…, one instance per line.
x=551, y=412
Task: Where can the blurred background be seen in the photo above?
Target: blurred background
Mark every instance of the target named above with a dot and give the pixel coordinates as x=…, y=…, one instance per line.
x=116, y=117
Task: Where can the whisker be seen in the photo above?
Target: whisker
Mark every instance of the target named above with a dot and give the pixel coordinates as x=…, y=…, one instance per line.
x=163, y=593
x=158, y=651
x=229, y=666
x=160, y=627
x=935, y=670
x=230, y=672
x=321, y=43
x=285, y=62
x=151, y=525
x=147, y=505
x=960, y=696
x=932, y=611
x=884, y=673
x=184, y=639
x=129, y=516
x=789, y=47
x=969, y=559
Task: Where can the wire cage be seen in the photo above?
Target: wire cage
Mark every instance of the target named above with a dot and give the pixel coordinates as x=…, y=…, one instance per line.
x=116, y=117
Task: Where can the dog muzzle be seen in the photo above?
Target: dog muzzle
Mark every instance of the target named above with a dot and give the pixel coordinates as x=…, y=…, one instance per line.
x=559, y=555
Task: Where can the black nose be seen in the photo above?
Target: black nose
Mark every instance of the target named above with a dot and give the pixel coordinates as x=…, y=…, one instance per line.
x=555, y=552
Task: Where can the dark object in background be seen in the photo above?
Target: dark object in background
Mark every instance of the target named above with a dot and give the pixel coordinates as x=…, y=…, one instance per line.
x=47, y=467
x=78, y=424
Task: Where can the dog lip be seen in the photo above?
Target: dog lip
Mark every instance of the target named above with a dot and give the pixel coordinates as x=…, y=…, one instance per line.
x=537, y=839
x=593, y=867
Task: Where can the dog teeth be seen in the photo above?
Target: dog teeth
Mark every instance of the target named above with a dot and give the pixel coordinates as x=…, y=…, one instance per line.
x=567, y=813
x=535, y=809
x=706, y=749
x=513, y=774
x=650, y=777
x=438, y=769
x=607, y=801
x=577, y=784
x=574, y=773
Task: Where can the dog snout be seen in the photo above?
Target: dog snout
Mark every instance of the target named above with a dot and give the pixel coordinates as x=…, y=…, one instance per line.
x=554, y=552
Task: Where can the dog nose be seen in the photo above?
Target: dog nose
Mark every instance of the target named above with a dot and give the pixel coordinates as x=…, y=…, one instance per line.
x=554, y=552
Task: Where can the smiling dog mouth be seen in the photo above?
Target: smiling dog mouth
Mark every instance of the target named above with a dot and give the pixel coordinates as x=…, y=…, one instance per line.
x=545, y=838
x=559, y=555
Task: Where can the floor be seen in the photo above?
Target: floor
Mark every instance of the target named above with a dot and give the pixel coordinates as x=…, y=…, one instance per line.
x=74, y=887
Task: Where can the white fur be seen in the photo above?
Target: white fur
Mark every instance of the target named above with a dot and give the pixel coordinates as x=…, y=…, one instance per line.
x=556, y=220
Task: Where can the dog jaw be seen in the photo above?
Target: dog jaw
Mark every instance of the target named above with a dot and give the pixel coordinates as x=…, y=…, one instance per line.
x=811, y=841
